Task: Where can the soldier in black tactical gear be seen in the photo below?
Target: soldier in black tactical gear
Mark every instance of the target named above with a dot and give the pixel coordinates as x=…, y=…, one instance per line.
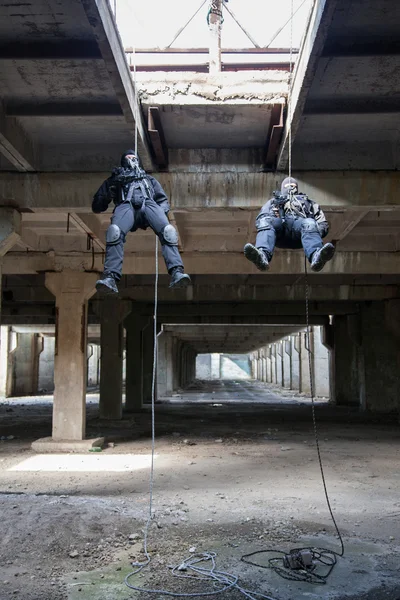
x=140, y=202
x=290, y=220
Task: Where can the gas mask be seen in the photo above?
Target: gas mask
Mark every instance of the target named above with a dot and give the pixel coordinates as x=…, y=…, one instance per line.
x=132, y=163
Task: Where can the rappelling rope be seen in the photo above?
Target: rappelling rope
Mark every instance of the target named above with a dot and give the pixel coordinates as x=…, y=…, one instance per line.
x=311, y=375
x=308, y=346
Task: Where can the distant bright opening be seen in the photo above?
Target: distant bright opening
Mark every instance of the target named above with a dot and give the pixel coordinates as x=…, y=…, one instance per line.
x=217, y=366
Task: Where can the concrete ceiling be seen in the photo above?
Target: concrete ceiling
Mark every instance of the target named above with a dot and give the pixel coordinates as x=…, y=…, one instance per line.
x=229, y=338
x=352, y=107
x=67, y=99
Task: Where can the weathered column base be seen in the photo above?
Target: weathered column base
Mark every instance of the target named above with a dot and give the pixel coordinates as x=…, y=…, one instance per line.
x=47, y=444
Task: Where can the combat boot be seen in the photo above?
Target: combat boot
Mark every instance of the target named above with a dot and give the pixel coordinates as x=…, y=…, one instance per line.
x=107, y=286
x=322, y=256
x=179, y=279
x=257, y=256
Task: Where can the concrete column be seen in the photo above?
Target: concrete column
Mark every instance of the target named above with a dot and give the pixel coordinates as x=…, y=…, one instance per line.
x=93, y=365
x=5, y=377
x=380, y=331
x=147, y=361
x=25, y=364
x=72, y=291
x=305, y=384
x=273, y=364
x=136, y=328
x=321, y=365
x=287, y=363
x=215, y=366
x=279, y=364
x=269, y=365
x=10, y=229
x=46, y=365
x=112, y=314
x=295, y=340
x=264, y=368
x=348, y=361
x=163, y=358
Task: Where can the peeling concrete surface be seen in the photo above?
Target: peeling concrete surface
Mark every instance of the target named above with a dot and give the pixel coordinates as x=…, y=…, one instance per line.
x=251, y=87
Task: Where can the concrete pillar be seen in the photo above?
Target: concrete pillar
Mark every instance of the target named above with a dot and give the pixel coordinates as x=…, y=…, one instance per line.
x=305, y=384
x=136, y=328
x=264, y=368
x=215, y=366
x=380, y=331
x=176, y=347
x=25, y=364
x=72, y=291
x=147, y=361
x=112, y=314
x=348, y=361
x=5, y=375
x=287, y=363
x=295, y=341
x=10, y=229
x=93, y=365
x=46, y=365
x=321, y=365
x=279, y=363
x=269, y=364
x=163, y=358
x=273, y=364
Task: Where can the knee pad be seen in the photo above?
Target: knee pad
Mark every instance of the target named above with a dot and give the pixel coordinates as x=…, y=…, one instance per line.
x=113, y=235
x=309, y=225
x=264, y=222
x=170, y=235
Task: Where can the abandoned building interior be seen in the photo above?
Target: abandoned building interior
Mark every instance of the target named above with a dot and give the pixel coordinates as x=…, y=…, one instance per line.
x=237, y=436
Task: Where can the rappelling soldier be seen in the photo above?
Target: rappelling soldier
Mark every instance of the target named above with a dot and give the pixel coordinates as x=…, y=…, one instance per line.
x=140, y=202
x=290, y=220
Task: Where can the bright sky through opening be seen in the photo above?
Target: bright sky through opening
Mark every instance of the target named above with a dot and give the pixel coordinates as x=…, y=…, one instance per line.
x=154, y=23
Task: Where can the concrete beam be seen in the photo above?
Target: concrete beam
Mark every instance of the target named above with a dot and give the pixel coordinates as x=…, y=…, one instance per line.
x=306, y=66
x=10, y=228
x=347, y=225
x=351, y=106
x=15, y=143
x=205, y=263
x=86, y=224
x=53, y=50
x=105, y=30
x=72, y=192
x=64, y=109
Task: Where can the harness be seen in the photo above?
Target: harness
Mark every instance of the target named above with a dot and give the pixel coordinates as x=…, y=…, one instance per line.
x=134, y=177
x=296, y=205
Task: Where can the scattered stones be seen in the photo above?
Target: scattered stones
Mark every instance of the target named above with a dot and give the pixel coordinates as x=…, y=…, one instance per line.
x=134, y=536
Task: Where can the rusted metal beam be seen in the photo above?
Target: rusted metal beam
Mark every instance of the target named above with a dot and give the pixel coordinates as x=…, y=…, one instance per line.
x=157, y=137
x=274, y=136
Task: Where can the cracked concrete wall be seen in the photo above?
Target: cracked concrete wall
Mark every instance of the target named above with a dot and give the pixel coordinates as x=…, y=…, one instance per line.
x=195, y=88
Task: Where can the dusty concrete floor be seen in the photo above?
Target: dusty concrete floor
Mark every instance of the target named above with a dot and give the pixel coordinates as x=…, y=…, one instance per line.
x=233, y=478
